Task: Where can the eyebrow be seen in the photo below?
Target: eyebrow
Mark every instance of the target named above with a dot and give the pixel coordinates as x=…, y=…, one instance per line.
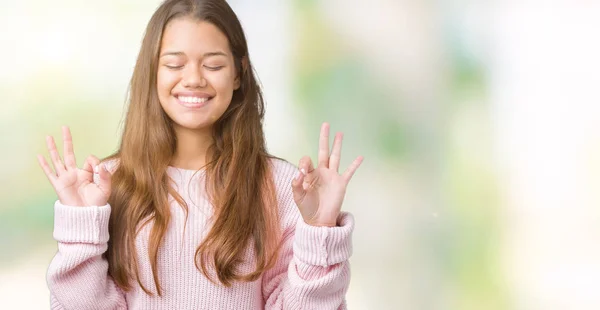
x=182, y=54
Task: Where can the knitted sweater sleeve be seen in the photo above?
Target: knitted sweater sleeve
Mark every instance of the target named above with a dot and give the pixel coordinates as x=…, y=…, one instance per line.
x=78, y=274
x=312, y=271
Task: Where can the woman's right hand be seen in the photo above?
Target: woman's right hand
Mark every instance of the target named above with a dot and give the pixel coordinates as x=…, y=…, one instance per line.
x=74, y=186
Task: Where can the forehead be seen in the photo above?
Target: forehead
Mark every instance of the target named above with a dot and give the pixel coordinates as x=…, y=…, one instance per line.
x=191, y=36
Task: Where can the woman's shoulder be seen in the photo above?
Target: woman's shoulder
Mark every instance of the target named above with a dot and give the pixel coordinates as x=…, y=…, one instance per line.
x=283, y=174
x=283, y=170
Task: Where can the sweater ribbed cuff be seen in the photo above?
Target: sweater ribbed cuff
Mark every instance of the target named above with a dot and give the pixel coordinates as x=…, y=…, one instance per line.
x=81, y=224
x=324, y=246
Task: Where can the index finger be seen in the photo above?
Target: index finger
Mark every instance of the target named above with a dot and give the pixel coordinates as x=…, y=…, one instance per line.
x=69, y=156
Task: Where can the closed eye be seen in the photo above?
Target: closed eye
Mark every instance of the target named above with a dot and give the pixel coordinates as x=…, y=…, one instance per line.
x=174, y=67
x=214, y=68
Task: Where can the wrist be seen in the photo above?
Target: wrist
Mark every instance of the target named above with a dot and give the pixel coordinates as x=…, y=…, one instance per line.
x=330, y=221
x=71, y=202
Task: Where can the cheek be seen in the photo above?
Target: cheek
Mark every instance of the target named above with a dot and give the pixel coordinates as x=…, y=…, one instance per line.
x=165, y=81
x=223, y=83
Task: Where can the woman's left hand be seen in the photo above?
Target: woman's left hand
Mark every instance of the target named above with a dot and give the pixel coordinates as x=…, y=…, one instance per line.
x=319, y=192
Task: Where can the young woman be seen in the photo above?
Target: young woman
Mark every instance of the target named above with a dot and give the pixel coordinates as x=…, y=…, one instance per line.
x=192, y=212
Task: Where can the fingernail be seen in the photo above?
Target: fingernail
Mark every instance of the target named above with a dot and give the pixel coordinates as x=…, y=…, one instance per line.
x=299, y=175
x=303, y=171
x=96, y=169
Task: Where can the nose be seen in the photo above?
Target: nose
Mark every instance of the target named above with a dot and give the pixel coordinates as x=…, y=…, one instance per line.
x=193, y=78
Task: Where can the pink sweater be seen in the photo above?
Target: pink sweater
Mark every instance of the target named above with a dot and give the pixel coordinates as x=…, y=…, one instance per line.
x=312, y=271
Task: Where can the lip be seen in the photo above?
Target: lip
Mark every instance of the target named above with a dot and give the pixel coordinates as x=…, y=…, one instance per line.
x=192, y=94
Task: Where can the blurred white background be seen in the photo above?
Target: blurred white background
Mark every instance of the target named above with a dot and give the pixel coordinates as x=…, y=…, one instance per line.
x=479, y=122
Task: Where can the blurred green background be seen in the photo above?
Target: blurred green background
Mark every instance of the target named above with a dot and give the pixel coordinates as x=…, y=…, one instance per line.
x=479, y=122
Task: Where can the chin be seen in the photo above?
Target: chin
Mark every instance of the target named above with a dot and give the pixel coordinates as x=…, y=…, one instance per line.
x=194, y=125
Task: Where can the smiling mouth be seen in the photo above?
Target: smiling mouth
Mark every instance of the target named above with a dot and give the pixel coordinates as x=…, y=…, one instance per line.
x=193, y=102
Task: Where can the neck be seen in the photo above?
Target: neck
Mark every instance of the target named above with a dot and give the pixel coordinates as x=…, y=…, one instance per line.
x=191, y=149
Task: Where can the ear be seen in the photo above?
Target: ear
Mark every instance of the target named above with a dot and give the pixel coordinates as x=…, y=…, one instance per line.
x=244, y=68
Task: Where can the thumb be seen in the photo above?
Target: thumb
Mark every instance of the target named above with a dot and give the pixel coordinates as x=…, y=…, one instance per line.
x=297, y=189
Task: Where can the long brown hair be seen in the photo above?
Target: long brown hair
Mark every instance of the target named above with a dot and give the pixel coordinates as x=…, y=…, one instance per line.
x=245, y=213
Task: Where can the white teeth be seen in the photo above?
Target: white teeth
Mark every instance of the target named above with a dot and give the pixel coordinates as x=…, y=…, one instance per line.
x=192, y=99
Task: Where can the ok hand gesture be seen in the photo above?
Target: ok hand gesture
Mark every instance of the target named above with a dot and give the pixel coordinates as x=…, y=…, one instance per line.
x=319, y=192
x=74, y=186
